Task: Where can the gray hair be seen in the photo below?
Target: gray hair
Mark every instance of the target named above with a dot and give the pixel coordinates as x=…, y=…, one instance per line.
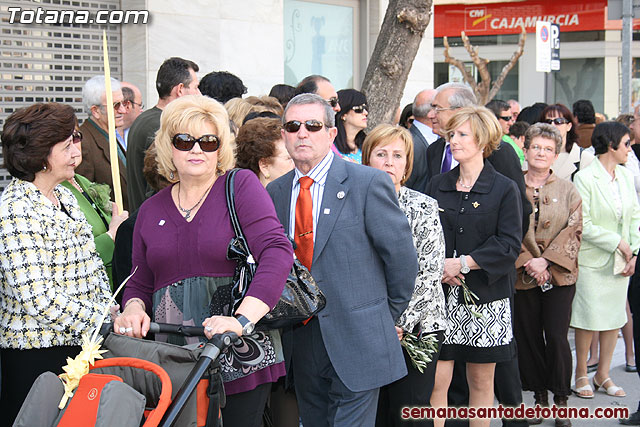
x=421, y=110
x=543, y=130
x=312, y=98
x=462, y=95
x=93, y=90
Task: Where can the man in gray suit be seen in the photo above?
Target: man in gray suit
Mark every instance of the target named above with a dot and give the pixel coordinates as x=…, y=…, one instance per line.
x=364, y=261
x=423, y=136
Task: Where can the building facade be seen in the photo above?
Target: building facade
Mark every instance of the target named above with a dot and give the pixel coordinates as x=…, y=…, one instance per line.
x=590, y=49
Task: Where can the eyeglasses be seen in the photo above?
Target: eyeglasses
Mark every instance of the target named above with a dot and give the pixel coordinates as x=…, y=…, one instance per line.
x=359, y=109
x=293, y=126
x=77, y=136
x=557, y=121
x=333, y=102
x=506, y=118
x=628, y=143
x=186, y=142
x=127, y=104
x=546, y=150
x=441, y=109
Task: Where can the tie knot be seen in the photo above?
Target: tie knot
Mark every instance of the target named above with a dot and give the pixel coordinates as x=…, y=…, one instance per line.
x=305, y=182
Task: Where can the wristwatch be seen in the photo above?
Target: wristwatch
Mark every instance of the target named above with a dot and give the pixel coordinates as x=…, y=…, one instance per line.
x=464, y=268
x=247, y=326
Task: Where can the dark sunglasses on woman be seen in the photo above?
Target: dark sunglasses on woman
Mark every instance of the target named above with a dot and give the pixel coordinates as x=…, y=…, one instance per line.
x=557, y=121
x=359, y=109
x=77, y=136
x=293, y=126
x=185, y=142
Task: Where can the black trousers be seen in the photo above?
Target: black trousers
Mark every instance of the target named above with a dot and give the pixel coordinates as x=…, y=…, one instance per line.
x=413, y=390
x=20, y=368
x=246, y=409
x=541, y=325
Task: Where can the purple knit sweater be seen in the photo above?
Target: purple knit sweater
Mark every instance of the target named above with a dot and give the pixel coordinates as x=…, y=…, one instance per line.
x=167, y=249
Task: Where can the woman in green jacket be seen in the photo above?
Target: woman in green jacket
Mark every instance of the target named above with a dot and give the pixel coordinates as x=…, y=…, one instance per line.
x=94, y=201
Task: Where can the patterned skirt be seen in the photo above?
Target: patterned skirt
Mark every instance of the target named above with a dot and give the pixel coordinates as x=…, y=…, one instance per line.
x=188, y=303
x=478, y=334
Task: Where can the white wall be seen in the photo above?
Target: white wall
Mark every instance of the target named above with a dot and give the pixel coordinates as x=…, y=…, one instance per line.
x=242, y=37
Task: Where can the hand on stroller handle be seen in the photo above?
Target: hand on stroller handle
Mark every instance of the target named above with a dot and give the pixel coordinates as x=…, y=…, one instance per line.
x=188, y=331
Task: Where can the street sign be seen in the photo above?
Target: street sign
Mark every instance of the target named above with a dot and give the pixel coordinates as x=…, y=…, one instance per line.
x=543, y=47
x=555, y=47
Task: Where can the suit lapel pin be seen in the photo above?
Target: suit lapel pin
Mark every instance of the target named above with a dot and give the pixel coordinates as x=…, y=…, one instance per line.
x=327, y=211
x=475, y=205
x=340, y=195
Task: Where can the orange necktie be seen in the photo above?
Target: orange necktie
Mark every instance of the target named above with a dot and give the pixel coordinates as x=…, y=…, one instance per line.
x=304, y=223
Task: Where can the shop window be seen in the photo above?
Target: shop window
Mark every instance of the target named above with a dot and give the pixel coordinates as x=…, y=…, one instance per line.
x=580, y=79
x=320, y=38
x=444, y=73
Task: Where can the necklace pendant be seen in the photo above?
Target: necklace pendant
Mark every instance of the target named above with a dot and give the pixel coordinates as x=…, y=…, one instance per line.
x=188, y=214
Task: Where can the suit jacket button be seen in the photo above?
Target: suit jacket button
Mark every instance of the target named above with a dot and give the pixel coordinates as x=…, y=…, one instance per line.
x=460, y=230
x=462, y=209
x=466, y=196
x=546, y=224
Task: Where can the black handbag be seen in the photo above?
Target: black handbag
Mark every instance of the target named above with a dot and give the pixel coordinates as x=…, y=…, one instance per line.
x=301, y=297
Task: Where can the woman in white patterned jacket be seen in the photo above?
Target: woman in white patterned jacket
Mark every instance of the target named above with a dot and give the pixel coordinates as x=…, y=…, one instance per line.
x=53, y=285
x=390, y=149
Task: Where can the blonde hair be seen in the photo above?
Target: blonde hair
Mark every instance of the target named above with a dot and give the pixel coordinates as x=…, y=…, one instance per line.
x=385, y=134
x=185, y=114
x=238, y=109
x=485, y=127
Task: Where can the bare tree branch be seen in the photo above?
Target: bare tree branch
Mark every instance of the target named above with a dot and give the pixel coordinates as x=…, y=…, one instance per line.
x=468, y=78
x=497, y=84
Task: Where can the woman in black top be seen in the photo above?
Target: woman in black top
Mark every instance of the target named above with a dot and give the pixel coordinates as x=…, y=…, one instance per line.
x=480, y=211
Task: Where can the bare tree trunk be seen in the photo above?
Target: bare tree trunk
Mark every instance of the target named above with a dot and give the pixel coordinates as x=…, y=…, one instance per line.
x=402, y=29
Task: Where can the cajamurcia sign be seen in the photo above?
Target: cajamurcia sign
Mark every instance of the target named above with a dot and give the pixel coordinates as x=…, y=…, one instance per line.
x=507, y=18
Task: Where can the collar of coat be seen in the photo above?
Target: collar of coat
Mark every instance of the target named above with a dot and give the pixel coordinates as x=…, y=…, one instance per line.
x=482, y=185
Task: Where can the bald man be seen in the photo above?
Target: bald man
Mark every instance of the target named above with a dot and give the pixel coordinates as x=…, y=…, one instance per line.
x=132, y=98
x=423, y=135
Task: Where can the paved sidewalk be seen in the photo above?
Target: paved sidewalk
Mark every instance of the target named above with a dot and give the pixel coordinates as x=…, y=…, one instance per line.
x=630, y=382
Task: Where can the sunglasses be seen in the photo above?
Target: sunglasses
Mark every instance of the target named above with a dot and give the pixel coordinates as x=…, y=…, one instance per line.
x=128, y=104
x=293, y=126
x=557, y=121
x=186, y=142
x=77, y=136
x=359, y=109
x=333, y=102
x=506, y=118
x=117, y=105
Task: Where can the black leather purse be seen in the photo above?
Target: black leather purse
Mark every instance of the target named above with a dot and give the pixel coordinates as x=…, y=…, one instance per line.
x=301, y=297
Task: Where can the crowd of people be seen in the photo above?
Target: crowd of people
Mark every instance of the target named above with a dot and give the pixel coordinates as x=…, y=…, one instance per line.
x=477, y=234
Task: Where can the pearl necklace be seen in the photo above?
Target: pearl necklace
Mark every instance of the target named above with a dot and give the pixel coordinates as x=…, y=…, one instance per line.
x=463, y=185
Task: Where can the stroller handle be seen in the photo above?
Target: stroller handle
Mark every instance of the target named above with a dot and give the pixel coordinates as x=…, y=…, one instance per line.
x=221, y=341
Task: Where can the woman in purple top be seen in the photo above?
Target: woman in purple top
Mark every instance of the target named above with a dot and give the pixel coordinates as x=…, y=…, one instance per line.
x=179, y=249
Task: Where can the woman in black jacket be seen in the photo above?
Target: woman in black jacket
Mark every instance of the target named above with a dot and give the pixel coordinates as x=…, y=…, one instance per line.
x=481, y=216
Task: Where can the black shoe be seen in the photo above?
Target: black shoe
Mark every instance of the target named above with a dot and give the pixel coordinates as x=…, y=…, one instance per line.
x=633, y=420
x=631, y=368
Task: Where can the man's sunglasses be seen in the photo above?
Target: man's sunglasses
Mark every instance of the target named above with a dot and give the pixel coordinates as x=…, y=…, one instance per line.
x=333, y=102
x=293, y=126
x=505, y=118
x=77, y=136
x=557, y=121
x=185, y=142
x=359, y=109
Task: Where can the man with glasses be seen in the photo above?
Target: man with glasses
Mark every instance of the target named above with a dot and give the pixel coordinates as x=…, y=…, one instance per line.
x=96, y=158
x=176, y=77
x=355, y=240
x=502, y=111
x=322, y=87
x=133, y=102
